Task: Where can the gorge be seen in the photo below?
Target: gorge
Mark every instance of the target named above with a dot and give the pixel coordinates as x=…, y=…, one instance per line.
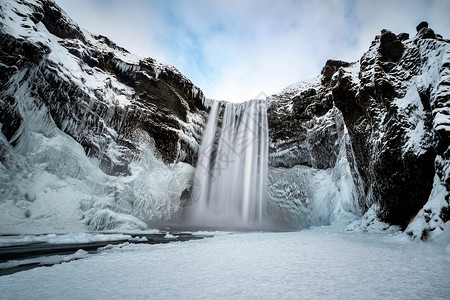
x=96, y=138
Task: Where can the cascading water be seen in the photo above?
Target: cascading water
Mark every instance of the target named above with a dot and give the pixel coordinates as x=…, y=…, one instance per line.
x=231, y=177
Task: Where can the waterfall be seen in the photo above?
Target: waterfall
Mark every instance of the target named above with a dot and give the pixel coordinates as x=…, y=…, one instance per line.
x=231, y=176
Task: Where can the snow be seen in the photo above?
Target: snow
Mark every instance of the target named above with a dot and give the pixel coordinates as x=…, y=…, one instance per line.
x=106, y=219
x=170, y=236
x=284, y=96
x=435, y=56
x=66, y=65
x=48, y=183
x=44, y=261
x=369, y=222
x=296, y=88
x=411, y=107
x=125, y=57
x=441, y=122
x=353, y=70
x=428, y=224
x=211, y=233
x=16, y=25
x=314, y=264
x=68, y=238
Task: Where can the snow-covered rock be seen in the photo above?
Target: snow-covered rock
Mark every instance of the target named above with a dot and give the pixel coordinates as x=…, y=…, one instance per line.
x=394, y=107
x=370, y=222
x=92, y=136
x=105, y=219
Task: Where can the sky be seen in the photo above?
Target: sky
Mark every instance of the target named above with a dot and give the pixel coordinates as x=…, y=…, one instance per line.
x=237, y=49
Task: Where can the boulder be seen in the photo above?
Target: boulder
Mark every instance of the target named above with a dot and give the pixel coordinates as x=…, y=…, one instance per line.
x=403, y=36
x=421, y=25
x=331, y=66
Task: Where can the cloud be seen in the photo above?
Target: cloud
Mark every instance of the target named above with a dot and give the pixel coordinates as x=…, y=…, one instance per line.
x=234, y=50
x=128, y=23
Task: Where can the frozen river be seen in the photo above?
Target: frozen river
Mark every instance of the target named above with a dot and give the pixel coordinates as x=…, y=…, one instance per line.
x=313, y=264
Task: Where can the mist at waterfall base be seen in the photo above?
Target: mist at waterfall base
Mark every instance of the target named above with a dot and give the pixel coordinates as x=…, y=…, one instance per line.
x=230, y=182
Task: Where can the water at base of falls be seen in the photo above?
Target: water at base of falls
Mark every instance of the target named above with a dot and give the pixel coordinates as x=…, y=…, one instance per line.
x=231, y=177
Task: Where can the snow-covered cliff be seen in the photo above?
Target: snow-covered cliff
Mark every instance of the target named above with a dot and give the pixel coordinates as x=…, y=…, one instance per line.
x=92, y=136
x=382, y=122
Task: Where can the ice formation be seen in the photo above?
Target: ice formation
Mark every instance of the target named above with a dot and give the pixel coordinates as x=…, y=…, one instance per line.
x=77, y=162
x=302, y=196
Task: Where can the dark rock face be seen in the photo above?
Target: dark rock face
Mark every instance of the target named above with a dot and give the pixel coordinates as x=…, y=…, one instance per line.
x=424, y=32
x=56, y=22
x=403, y=36
x=390, y=47
x=298, y=134
x=16, y=55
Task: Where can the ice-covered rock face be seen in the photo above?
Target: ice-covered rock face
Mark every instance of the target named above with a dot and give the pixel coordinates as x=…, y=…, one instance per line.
x=393, y=108
x=93, y=87
x=397, y=118
x=312, y=175
x=87, y=126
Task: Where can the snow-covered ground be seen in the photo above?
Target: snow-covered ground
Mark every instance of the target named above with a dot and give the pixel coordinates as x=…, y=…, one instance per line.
x=313, y=264
x=69, y=238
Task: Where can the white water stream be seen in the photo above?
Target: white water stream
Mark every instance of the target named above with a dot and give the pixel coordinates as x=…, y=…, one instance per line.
x=231, y=175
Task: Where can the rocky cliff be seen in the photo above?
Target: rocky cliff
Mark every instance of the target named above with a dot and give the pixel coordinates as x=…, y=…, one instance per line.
x=76, y=106
x=388, y=116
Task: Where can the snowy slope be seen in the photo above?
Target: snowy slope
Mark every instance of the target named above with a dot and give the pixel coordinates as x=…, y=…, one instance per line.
x=85, y=143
